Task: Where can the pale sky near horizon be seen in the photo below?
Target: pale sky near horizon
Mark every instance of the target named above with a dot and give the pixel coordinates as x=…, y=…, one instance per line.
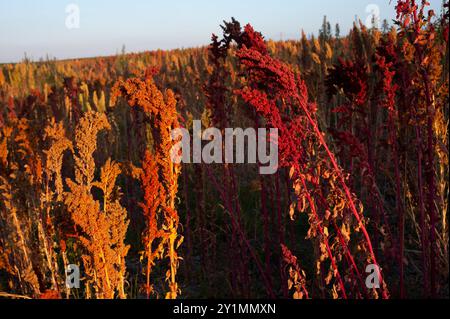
x=38, y=27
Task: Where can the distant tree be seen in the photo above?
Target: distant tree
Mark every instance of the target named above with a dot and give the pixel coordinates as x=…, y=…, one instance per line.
x=385, y=26
x=337, y=31
x=325, y=31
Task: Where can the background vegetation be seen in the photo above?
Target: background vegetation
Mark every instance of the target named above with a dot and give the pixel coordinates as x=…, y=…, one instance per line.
x=86, y=179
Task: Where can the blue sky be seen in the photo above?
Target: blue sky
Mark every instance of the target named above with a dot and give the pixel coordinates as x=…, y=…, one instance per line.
x=38, y=27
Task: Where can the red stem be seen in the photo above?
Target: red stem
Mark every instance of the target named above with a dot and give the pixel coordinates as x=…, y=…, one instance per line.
x=319, y=227
x=344, y=186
